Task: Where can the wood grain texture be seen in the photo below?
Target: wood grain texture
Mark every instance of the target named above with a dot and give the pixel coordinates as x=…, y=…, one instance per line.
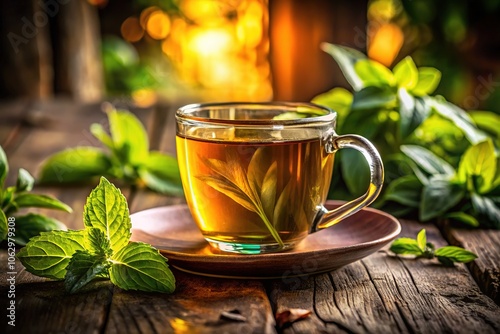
x=486, y=244
x=195, y=307
x=387, y=294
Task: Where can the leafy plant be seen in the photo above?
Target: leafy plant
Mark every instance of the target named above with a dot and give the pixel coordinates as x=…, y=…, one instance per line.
x=129, y=158
x=419, y=247
x=101, y=250
x=422, y=140
x=19, y=196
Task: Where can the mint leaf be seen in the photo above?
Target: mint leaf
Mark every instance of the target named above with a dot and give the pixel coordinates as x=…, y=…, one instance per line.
x=438, y=196
x=428, y=80
x=371, y=97
x=406, y=73
x=98, y=131
x=338, y=99
x=75, y=165
x=24, y=200
x=107, y=209
x=32, y=224
x=460, y=118
x=422, y=240
x=139, y=266
x=3, y=225
x=48, y=254
x=427, y=160
x=405, y=190
x=479, y=160
x=24, y=181
x=373, y=73
x=463, y=218
x=161, y=173
x=97, y=243
x=406, y=246
x=455, y=254
x=129, y=137
x=413, y=110
x=486, y=208
x=83, y=268
x=346, y=58
x=4, y=168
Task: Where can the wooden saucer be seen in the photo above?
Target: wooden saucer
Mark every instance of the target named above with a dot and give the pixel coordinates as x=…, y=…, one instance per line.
x=172, y=230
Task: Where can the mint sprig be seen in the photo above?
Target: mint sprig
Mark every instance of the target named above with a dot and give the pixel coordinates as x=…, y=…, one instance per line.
x=101, y=250
x=20, y=196
x=126, y=157
x=419, y=247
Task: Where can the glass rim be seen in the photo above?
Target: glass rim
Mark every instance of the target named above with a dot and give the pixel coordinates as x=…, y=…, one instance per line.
x=184, y=113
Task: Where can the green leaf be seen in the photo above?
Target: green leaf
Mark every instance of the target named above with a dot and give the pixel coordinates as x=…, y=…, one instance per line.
x=257, y=169
x=487, y=121
x=32, y=224
x=24, y=181
x=26, y=200
x=479, y=160
x=406, y=73
x=438, y=196
x=460, y=118
x=445, y=261
x=4, y=168
x=455, y=254
x=355, y=171
x=428, y=80
x=373, y=73
x=161, y=173
x=98, y=131
x=422, y=240
x=226, y=187
x=487, y=208
x=48, y=254
x=427, y=160
x=74, y=165
x=83, y=268
x=413, y=111
x=159, y=184
x=268, y=190
x=139, y=266
x=338, y=99
x=129, y=137
x=374, y=98
x=405, y=190
x=346, y=58
x=406, y=246
x=463, y=218
x=107, y=209
x=97, y=243
x=3, y=225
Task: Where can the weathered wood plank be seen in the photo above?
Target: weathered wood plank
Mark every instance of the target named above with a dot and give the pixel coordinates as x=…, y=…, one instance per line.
x=11, y=116
x=195, y=307
x=386, y=294
x=486, y=244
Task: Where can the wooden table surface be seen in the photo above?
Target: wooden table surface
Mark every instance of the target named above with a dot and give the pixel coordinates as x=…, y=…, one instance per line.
x=379, y=294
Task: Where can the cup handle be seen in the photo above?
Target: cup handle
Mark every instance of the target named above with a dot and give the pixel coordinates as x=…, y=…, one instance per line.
x=326, y=218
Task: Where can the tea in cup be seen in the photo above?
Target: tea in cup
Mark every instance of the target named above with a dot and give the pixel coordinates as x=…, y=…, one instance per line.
x=256, y=175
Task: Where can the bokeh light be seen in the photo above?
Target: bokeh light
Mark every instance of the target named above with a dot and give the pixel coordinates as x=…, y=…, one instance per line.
x=131, y=29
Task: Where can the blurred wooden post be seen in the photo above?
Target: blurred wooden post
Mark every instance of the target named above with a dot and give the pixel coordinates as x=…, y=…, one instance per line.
x=50, y=47
x=300, y=68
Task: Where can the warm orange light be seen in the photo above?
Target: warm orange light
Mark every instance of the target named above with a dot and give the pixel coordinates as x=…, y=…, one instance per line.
x=131, y=30
x=385, y=44
x=143, y=18
x=158, y=25
x=211, y=41
x=98, y=3
x=144, y=97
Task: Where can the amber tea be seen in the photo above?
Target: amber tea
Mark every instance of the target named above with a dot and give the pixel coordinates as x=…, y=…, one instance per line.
x=256, y=175
x=254, y=193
